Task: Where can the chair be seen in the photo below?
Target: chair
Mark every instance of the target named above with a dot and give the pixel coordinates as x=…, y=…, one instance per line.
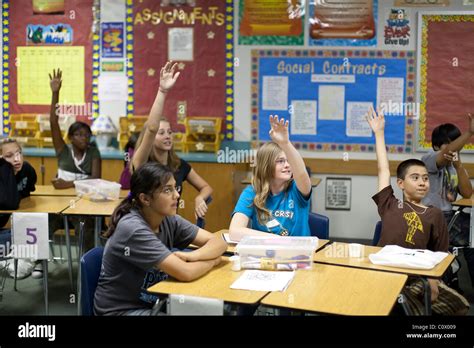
x=200, y=221
x=319, y=225
x=378, y=231
x=91, y=263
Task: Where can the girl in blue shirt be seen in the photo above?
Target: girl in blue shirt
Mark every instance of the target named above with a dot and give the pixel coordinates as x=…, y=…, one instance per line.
x=278, y=200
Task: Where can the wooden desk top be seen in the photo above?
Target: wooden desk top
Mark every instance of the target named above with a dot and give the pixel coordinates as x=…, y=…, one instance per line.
x=465, y=202
x=314, y=181
x=231, y=248
x=43, y=204
x=49, y=190
x=338, y=254
x=215, y=284
x=340, y=290
x=87, y=207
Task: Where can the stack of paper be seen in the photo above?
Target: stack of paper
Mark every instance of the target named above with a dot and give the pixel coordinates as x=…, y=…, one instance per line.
x=396, y=256
x=263, y=281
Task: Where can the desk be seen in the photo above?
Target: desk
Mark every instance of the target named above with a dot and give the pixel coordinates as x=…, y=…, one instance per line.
x=328, y=256
x=464, y=202
x=49, y=190
x=44, y=204
x=340, y=290
x=314, y=181
x=215, y=284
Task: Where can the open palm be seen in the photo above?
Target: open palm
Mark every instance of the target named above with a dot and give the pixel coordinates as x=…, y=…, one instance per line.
x=279, y=130
x=168, y=76
x=375, y=120
x=55, y=81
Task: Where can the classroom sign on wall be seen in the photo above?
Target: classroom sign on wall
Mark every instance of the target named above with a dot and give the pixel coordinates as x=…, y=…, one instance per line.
x=326, y=95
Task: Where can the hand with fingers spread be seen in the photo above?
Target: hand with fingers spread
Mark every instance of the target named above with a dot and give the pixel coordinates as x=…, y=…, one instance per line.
x=279, y=130
x=168, y=76
x=55, y=81
x=375, y=120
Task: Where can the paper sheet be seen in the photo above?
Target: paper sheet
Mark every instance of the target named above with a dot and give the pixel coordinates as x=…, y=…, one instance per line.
x=390, y=94
x=35, y=63
x=180, y=44
x=226, y=237
x=112, y=88
x=263, y=281
x=275, y=93
x=303, y=117
x=356, y=124
x=331, y=102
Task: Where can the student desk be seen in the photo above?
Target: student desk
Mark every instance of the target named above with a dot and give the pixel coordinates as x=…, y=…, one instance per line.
x=340, y=290
x=49, y=190
x=215, y=284
x=44, y=204
x=460, y=204
x=337, y=254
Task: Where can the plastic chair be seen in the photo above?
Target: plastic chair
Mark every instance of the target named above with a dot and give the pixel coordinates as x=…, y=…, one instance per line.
x=200, y=222
x=91, y=263
x=319, y=225
x=378, y=231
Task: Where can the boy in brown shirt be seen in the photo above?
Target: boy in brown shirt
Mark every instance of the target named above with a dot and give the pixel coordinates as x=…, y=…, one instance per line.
x=410, y=224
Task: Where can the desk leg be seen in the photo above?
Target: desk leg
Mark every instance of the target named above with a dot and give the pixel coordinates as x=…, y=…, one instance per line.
x=81, y=248
x=453, y=219
x=68, y=246
x=427, y=296
x=405, y=306
x=15, y=267
x=97, y=229
x=45, y=286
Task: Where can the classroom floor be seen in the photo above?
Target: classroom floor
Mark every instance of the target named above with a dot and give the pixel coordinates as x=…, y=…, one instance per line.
x=29, y=300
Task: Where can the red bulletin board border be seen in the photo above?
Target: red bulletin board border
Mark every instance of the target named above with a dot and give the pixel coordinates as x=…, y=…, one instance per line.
x=149, y=46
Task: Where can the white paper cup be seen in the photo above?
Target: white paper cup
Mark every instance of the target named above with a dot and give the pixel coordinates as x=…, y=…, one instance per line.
x=235, y=263
x=356, y=250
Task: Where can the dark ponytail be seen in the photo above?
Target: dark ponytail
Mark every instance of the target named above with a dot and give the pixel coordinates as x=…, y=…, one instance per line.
x=147, y=179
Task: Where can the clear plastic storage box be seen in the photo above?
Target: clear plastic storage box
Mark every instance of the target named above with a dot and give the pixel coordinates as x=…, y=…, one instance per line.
x=277, y=253
x=97, y=189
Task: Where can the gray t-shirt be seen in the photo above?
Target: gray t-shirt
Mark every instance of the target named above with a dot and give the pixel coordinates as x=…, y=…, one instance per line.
x=443, y=181
x=129, y=259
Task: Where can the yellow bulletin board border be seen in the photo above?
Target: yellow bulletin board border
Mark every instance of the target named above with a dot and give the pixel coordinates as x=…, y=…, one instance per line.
x=5, y=67
x=95, y=74
x=129, y=53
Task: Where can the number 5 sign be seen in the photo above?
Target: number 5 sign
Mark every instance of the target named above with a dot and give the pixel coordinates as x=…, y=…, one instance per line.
x=30, y=236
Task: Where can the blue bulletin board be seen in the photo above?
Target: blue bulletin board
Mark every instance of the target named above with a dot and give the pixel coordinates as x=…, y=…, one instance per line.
x=325, y=95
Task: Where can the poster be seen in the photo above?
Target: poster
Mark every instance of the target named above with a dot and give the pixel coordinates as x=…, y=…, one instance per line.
x=303, y=117
x=356, y=123
x=347, y=23
x=51, y=34
x=271, y=22
x=397, y=30
x=275, y=93
x=112, y=40
x=331, y=102
x=35, y=65
x=338, y=193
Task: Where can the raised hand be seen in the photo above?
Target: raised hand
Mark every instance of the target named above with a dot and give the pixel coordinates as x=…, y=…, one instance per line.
x=55, y=81
x=375, y=120
x=279, y=130
x=471, y=123
x=168, y=76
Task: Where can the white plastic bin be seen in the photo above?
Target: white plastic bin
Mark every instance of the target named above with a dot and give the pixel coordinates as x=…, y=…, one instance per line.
x=97, y=189
x=277, y=253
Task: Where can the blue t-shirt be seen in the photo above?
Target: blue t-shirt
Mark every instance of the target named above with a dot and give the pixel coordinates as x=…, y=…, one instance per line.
x=289, y=208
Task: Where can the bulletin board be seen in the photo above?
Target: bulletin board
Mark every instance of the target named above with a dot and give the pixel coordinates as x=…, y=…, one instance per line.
x=445, y=86
x=200, y=39
x=326, y=94
x=17, y=49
